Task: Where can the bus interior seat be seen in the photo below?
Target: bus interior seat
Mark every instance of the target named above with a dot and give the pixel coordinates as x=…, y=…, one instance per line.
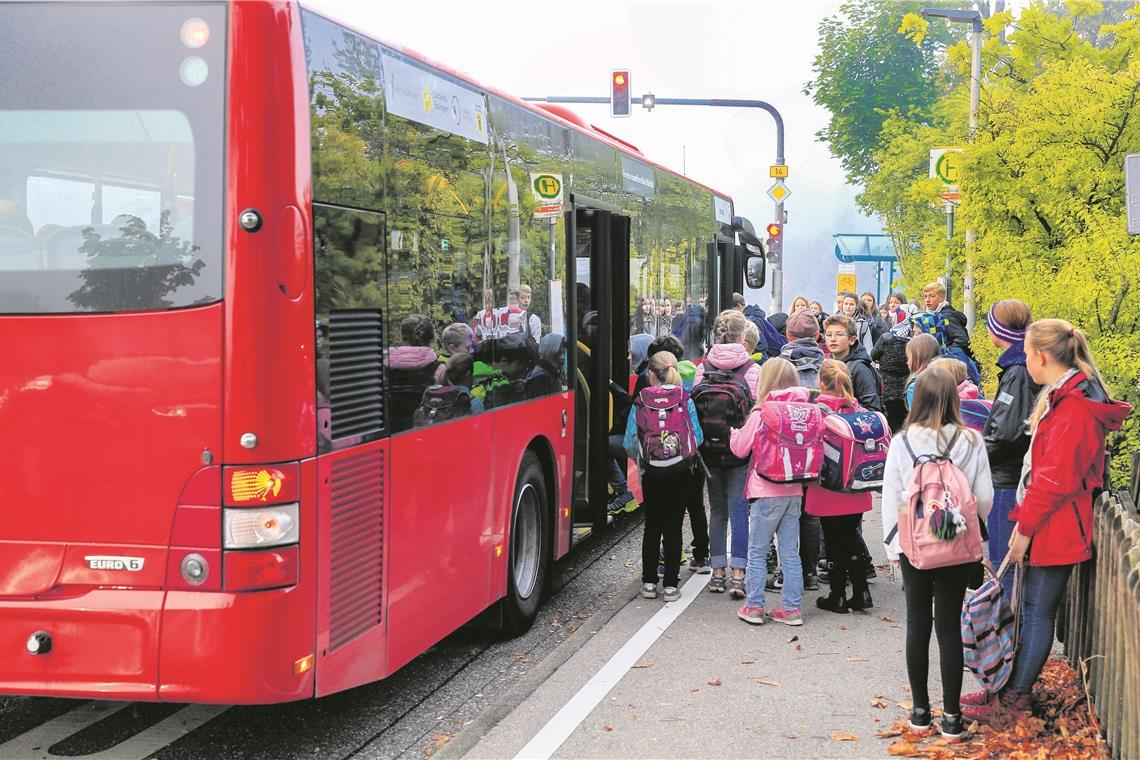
x=19, y=250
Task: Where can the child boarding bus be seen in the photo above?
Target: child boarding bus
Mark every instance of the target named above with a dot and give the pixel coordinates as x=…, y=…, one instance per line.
x=250, y=449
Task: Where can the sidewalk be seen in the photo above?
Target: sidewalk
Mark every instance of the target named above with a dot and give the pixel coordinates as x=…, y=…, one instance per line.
x=711, y=685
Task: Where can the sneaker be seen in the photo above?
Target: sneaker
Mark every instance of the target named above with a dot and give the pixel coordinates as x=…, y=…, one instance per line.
x=975, y=698
x=753, y=615
x=920, y=719
x=787, y=617
x=775, y=581
x=825, y=571
x=649, y=590
x=952, y=729
x=736, y=588
x=811, y=582
x=862, y=602
x=672, y=593
x=661, y=570
x=717, y=584
x=836, y=604
x=631, y=506
x=700, y=566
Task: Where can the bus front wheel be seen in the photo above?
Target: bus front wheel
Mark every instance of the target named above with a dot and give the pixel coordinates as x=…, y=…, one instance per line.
x=529, y=561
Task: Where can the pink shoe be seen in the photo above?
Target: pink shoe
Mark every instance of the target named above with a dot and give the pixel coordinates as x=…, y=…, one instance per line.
x=753, y=615
x=1008, y=706
x=976, y=698
x=787, y=617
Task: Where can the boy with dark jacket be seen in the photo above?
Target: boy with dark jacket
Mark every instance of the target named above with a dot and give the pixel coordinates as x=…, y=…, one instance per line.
x=841, y=338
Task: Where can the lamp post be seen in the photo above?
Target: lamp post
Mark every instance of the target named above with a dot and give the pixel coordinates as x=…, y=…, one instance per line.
x=974, y=19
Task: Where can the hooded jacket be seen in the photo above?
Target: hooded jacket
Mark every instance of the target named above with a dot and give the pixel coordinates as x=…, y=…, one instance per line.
x=821, y=502
x=807, y=357
x=1067, y=467
x=742, y=440
x=730, y=356
x=968, y=455
x=864, y=378
x=1006, y=433
x=770, y=338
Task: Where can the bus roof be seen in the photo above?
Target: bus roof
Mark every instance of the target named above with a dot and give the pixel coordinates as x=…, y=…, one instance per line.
x=556, y=113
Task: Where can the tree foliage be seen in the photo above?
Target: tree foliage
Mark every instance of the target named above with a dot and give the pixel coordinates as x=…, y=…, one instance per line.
x=1043, y=182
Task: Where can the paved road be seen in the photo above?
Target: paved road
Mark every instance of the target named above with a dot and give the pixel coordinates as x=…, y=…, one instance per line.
x=414, y=713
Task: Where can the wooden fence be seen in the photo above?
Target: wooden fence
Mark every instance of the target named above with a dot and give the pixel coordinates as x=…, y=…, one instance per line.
x=1100, y=623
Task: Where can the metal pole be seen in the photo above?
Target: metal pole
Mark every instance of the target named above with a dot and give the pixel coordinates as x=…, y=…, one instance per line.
x=971, y=236
x=949, y=238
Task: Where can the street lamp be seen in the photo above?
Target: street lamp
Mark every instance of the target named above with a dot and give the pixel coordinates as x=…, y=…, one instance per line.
x=974, y=19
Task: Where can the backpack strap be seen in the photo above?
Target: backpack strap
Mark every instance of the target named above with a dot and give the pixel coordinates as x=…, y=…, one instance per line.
x=913, y=456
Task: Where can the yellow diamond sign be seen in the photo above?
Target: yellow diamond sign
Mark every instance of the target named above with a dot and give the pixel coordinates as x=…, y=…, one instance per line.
x=779, y=191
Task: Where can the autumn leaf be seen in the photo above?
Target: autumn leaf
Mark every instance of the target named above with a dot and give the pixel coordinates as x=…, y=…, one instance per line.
x=747, y=662
x=878, y=702
x=642, y=665
x=794, y=638
x=714, y=682
x=768, y=682
x=903, y=749
x=854, y=658
x=886, y=618
x=905, y=704
x=844, y=737
x=842, y=627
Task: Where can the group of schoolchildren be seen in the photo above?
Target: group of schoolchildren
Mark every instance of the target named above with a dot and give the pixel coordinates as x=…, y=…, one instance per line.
x=801, y=437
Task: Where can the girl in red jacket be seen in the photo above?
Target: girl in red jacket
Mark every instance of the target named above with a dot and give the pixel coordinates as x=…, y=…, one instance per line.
x=1054, y=519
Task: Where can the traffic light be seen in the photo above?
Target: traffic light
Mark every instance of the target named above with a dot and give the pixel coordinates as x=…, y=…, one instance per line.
x=619, y=92
x=775, y=232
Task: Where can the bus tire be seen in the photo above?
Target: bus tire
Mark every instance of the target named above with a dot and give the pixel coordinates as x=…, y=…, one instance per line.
x=528, y=562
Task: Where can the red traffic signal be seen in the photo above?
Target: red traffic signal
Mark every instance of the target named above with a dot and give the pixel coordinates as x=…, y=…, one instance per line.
x=619, y=92
x=774, y=230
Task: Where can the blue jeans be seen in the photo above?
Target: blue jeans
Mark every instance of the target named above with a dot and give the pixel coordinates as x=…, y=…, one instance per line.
x=778, y=516
x=1000, y=528
x=1041, y=592
x=727, y=505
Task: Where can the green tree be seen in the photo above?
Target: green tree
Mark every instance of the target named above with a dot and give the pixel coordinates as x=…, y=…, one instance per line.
x=865, y=70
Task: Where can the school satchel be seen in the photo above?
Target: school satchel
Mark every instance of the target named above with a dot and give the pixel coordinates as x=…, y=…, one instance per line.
x=723, y=402
x=789, y=444
x=975, y=412
x=854, y=450
x=442, y=403
x=938, y=525
x=989, y=628
x=664, y=429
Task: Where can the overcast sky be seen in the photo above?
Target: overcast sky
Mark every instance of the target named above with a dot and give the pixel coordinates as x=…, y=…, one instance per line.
x=761, y=49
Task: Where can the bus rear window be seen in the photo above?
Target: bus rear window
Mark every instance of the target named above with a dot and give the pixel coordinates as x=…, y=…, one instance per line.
x=111, y=161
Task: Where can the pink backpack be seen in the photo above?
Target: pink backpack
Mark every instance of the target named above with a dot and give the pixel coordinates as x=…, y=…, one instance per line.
x=854, y=450
x=789, y=444
x=665, y=430
x=938, y=526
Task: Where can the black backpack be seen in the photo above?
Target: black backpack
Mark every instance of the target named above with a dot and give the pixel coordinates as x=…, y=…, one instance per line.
x=406, y=388
x=442, y=403
x=723, y=401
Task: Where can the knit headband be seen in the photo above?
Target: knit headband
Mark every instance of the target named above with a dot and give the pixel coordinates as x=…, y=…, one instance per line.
x=1002, y=331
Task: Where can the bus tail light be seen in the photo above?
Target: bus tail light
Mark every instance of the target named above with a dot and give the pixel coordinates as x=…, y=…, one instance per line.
x=260, y=528
x=259, y=570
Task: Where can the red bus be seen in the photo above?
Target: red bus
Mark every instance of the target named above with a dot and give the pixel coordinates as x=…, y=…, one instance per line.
x=300, y=331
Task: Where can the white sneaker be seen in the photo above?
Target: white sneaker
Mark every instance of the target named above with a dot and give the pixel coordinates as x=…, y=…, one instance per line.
x=649, y=590
x=672, y=593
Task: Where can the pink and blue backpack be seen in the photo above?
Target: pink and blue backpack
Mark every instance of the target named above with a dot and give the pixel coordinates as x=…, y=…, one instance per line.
x=975, y=412
x=664, y=429
x=855, y=447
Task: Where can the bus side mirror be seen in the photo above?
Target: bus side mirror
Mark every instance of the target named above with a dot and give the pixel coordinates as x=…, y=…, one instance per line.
x=754, y=268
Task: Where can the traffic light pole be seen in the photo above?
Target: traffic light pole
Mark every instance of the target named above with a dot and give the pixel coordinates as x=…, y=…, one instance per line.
x=777, y=266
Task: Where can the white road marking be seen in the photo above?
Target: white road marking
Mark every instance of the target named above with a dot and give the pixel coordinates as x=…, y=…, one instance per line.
x=33, y=744
x=558, y=729
x=146, y=743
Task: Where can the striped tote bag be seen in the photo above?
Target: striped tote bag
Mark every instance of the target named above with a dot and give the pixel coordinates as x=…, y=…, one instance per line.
x=989, y=629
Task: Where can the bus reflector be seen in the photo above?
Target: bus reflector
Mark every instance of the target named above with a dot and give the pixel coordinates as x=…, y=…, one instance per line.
x=258, y=570
x=195, y=33
x=262, y=484
x=303, y=665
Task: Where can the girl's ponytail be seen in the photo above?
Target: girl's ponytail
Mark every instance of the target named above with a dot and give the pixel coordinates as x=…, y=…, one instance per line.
x=834, y=381
x=662, y=369
x=1068, y=345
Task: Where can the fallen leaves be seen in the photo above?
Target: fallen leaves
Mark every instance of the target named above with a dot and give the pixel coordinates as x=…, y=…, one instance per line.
x=794, y=638
x=747, y=662
x=844, y=737
x=887, y=619
x=854, y=658
x=607, y=727
x=641, y=665
x=769, y=682
x=714, y=682
x=904, y=749
x=878, y=702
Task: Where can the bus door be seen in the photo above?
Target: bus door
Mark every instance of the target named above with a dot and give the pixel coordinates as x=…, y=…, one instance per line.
x=724, y=270
x=599, y=249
